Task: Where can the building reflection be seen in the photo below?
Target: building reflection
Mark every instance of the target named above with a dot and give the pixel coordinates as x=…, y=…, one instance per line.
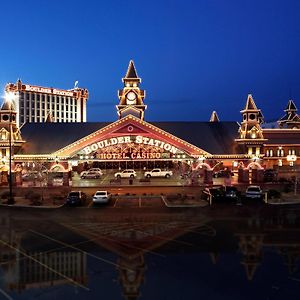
x=36, y=268
x=133, y=238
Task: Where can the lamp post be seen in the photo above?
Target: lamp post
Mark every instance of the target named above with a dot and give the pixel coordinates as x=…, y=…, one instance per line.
x=9, y=97
x=292, y=160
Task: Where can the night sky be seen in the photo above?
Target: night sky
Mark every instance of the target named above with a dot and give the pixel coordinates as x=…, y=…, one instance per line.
x=193, y=56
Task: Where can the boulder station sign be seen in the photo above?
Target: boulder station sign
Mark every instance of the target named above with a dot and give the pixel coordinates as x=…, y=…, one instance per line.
x=127, y=140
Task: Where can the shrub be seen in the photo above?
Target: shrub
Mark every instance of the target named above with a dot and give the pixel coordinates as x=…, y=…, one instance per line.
x=274, y=194
x=5, y=195
x=29, y=194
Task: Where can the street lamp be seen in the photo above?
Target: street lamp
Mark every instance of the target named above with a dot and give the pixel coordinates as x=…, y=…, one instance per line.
x=292, y=159
x=9, y=97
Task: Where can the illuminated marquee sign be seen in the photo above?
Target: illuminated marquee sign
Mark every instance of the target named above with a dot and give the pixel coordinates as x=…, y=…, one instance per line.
x=130, y=139
x=39, y=89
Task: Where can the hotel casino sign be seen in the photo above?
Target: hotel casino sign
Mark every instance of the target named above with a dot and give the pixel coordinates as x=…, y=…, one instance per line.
x=130, y=147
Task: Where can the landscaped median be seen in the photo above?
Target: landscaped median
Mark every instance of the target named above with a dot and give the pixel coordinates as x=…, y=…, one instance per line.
x=34, y=198
x=179, y=200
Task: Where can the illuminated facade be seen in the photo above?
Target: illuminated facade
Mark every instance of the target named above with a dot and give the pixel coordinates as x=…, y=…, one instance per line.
x=131, y=142
x=41, y=104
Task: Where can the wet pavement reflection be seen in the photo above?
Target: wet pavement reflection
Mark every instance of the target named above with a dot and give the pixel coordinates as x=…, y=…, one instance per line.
x=224, y=252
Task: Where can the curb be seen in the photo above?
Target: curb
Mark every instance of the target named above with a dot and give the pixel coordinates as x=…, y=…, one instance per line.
x=31, y=206
x=180, y=205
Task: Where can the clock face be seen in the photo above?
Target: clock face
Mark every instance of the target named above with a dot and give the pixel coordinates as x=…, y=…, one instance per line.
x=131, y=98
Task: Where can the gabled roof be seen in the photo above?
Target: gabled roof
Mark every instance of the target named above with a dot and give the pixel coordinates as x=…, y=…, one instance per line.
x=214, y=117
x=291, y=106
x=131, y=71
x=212, y=137
x=46, y=138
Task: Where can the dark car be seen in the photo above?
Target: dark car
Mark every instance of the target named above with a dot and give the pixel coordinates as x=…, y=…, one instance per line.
x=214, y=194
x=231, y=193
x=76, y=198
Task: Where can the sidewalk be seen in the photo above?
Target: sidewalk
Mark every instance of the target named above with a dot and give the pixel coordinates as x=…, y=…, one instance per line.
x=285, y=199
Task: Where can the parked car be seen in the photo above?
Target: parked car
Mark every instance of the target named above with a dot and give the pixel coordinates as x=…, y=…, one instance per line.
x=214, y=194
x=101, y=197
x=91, y=170
x=76, y=198
x=158, y=173
x=128, y=173
x=90, y=175
x=254, y=192
x=231, y=193
x=223, y=173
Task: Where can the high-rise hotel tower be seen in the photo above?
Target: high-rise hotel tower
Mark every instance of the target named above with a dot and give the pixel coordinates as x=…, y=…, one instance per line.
x=39, y=104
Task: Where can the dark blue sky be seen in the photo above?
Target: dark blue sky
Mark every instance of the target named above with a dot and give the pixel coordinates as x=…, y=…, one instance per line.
x=193, y=56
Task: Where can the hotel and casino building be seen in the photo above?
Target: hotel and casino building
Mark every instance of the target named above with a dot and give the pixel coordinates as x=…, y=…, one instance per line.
x=37, y=104
x=248, y=147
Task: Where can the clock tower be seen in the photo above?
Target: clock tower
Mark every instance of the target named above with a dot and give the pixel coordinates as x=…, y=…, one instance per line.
x=131, y=96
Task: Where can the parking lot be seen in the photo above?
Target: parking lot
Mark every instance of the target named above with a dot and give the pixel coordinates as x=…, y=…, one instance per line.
x=108, y=179
x=138, y=201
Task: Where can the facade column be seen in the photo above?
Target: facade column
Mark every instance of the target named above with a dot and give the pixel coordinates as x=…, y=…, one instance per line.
x=78, y=109
x=208, y=176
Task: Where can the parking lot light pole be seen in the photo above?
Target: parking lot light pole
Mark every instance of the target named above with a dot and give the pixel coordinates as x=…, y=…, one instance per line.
x=292, y=161
x=9, y=98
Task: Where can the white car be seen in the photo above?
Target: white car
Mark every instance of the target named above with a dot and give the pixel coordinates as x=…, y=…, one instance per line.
x=253, y=191
x=158, y=173
x=128, y=173
x=101, y=197
x=97, y=170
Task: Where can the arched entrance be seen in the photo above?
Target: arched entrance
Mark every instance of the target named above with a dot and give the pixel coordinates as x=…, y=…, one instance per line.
x=253, y=173
x=205, y=172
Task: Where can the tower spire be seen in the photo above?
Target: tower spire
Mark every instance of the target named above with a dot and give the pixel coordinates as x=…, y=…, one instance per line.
x=131, y=71
x=214, y=117
x=291, y=119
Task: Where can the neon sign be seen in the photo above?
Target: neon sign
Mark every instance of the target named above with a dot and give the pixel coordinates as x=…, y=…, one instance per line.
x=130, y=139
x=39, y=89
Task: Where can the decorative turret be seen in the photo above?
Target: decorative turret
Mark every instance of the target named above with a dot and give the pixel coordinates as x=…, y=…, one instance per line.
x=131, y=96
x=214, y=117
x=8, y=126
x=291, y=119
x=250, y=132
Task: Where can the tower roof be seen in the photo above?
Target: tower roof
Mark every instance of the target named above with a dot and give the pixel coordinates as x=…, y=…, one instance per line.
x=49, y=118
x=250, y=104
x=214, y=117
x=131, y=71
x=8, y=105
x=291, y=106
